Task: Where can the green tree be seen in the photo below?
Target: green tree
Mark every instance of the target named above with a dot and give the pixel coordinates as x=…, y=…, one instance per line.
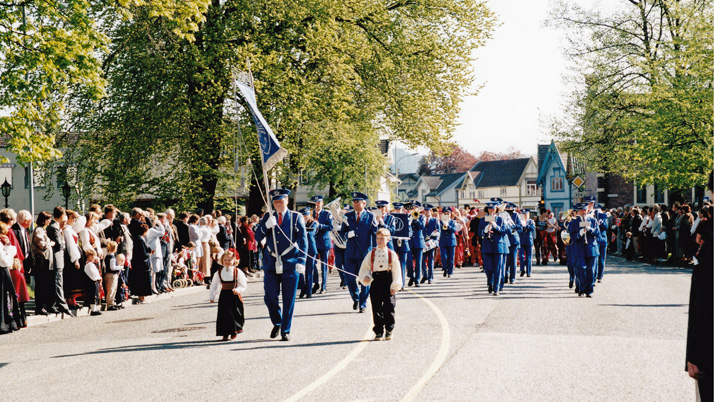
x=644, y=107
x=346, y=72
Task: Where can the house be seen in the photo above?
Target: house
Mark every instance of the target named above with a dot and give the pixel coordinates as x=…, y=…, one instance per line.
x=446, y=192
x=513, y=180
x=407, y=183
x=558, y=193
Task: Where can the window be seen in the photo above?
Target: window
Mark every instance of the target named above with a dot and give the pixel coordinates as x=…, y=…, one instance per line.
x=556, y=208
x=642, y=194
x=531, y=188
x=472, y=194
x=556, y=182
x=503, y=192
x=304, y=178
x=480, y=194
x=658, y=194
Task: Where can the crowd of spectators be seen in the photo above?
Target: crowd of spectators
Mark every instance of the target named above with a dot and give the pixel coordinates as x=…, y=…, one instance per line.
x=105, y=258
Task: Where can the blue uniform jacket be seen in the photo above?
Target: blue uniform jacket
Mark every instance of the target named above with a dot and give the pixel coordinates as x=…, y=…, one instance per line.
x=311, y=243
x=497, y=242
x=528, y=233
x=432, y=230
x=447, y=237
x=324, y=227
x=579, y=246
x=514, y=236
x=602, y=225
x=389, y=225
x=365, y=234
x=417, y=237
x=290, y=238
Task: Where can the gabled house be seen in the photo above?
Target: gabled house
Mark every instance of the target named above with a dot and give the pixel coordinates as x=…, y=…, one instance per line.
x=407, y=183
x=467, y=190
x=446, y=194
x=513, y=180
x=558, y=194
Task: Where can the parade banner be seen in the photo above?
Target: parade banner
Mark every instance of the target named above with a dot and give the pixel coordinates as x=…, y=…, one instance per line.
x=401, y=226
x=270, y=148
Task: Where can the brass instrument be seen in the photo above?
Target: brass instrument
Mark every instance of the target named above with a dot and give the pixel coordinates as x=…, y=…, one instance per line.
x=565, y=236
x=415, y=214
x=337, y=213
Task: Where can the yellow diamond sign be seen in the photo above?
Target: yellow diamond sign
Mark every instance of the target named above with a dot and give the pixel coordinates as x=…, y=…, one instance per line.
x=578, y=181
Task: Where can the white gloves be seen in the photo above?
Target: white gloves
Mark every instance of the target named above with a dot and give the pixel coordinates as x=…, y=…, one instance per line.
x=270, y=222
x=300, y=268
x=351, y=234
x=582, y=232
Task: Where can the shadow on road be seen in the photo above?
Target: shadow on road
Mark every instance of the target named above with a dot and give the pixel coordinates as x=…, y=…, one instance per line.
x=644, y=305
x=300, y=345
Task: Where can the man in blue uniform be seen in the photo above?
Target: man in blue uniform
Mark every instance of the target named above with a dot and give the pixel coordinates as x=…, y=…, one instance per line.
x=583, y=237
x=602, y=219
x=384, y=219
x=416, y=244
x=401, y=245
x=340, y=248
x=360, y=229
x=447, y=242
x=527, y=237
x=283, y=260
x=322, y=237
x=514, y=239
x=306, y=280
x=494, y=246
x=431, y=240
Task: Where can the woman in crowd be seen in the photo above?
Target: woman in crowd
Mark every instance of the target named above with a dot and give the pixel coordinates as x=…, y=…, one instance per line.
x=140, y=277
x=9, y=307
x=41, y=247
x=248, y=248
x=9, y=217
x=73, y=276
x=686, y=242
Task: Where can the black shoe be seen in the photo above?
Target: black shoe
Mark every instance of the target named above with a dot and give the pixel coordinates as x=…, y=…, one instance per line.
x=361, y=309
x=274, y=333
x=422, y=280
x=588, y=295
x=411, y=282
x=495, y=293
x=511, y=281
x=378, y=337
x=388, y=336
x=522, y=273
x=598, y=281
x=95, y=313
x=52, y=310
x=537, y=262
x=429, y=282
x=41, y=312
x=490, y=289
x=342, y=284
x=444, y=273
x=285, y=337
x=545, y=262
x=580, y=294
x=416, y=285
x=323, y=291
x=528, y=276
x=302, y=294
x=355, y=305
x=309, y=296
x=570, y=284
x=577, y=289
x=112, y=308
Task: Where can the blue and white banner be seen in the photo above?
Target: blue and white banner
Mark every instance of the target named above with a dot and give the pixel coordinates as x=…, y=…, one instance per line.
x=401, y=226
x=269, y=145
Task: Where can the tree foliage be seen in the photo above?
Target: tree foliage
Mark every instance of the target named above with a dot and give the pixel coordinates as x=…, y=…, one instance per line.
x=645, y=105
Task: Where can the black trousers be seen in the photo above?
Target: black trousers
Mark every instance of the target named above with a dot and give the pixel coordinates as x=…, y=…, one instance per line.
x=383, y=302
x=44, y=286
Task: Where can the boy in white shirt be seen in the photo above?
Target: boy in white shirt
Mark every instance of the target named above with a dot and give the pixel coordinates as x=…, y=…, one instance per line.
x=381, y=270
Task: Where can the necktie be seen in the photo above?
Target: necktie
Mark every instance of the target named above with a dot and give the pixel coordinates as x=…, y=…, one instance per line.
x=358, y=217
x=280, y=219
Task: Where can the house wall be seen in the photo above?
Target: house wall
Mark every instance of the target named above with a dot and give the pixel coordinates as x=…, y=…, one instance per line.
x=20, y=194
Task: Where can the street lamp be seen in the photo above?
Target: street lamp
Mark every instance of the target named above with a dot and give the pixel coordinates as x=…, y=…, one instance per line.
x=6, y=187
x=66, y=189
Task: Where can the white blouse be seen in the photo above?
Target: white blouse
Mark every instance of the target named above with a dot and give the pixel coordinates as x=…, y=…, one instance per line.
x=381, y=263
x=227, y=275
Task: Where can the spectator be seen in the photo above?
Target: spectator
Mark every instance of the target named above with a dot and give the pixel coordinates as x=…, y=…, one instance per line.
x=42, y=260
x=9, y=306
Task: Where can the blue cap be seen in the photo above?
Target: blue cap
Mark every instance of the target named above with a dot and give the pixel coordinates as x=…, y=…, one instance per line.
x=381, y=203
x=525, y=211
x=416, y=203
x=598, y=206
x=496, y=199
x=316, y=198
x=590, y=198
x=491, y=205
x=279, y=193
x=580, y=206
x=357, y=196
x=305, y=211
x=398, y=205
x=510, y=205
x=446, y=209
x=428, y=207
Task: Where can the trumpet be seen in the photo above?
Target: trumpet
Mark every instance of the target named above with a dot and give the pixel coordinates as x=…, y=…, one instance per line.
x=415, y=214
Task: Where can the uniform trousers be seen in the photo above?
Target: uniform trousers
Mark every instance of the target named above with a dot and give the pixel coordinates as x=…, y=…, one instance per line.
x=383, y=302
x=414, y=263
x=340, y=262
x=403, y=256
x=493, y=267
x=525, y=253
x=511, y=262
x=306, y=280
x=323, y=267
x=601, y=261
x=358, y=294
x=585, y=267
x=272, y=284
x=571, y=265
x=427, y=264
x=447, y=258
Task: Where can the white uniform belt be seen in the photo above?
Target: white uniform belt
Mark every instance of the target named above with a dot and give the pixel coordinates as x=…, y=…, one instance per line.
x=292, y=245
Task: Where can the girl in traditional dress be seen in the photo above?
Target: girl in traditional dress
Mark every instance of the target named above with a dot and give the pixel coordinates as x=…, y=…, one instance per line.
x=228, y=284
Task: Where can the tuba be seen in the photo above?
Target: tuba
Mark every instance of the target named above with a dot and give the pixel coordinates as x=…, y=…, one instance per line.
x=565, y=236
x=337, y=213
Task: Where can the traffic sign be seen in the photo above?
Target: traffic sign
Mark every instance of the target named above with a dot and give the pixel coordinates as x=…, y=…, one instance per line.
x=578, y=181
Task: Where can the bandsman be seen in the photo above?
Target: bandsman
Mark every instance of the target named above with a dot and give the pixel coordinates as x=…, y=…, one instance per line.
x=360, y=229
x=432, y=233
x=416, y=244
x=527, y=236
x=584, y=231
x=325, y=224
x=494, y=246
x=447, y=241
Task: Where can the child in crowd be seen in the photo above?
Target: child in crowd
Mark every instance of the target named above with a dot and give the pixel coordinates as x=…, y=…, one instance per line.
x=228, y=284
x=92, y=272
x=381, y=270
x=113, y=267
x=629, y=247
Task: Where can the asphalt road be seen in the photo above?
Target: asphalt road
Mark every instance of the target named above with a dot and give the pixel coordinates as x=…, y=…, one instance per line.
x=537, y=341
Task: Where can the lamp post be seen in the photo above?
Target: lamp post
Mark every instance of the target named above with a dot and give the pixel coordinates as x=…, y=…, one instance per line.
x=66, y=189
x=6, y=187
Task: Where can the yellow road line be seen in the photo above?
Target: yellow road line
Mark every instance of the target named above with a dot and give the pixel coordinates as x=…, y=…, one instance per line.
x=340, y=366
x=440, y=356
